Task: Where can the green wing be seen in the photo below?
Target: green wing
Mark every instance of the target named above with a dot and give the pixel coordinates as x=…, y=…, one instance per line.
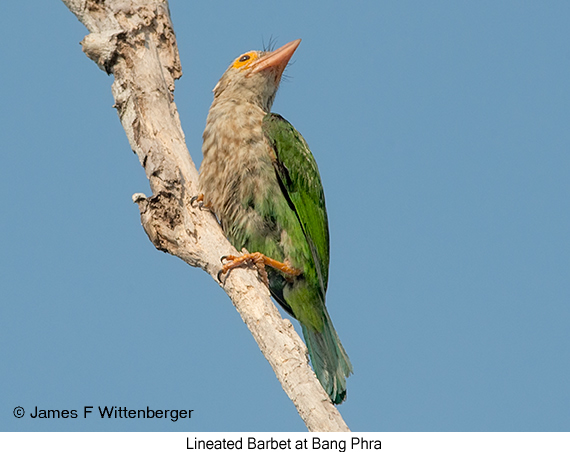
x=301, y=184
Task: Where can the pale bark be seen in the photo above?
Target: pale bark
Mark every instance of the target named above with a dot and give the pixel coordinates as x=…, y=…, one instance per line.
x=134, y=41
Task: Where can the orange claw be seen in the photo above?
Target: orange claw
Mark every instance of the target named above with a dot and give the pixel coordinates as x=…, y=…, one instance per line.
x=260, y=261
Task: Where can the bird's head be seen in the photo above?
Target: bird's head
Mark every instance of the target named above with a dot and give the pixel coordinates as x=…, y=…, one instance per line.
x=254, y=76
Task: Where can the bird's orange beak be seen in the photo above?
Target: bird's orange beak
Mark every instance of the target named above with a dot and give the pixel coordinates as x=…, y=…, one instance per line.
x=276, y=60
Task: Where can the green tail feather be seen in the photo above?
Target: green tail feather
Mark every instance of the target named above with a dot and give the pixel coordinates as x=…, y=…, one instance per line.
x=330, y=361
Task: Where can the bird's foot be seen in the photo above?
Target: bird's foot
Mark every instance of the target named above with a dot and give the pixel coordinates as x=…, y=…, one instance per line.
x=198, y=201
x=260, y=261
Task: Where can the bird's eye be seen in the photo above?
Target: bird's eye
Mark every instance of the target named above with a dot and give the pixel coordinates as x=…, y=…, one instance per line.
x=245, y=60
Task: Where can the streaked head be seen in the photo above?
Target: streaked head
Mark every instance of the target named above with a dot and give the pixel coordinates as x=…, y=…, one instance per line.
x=255, y=76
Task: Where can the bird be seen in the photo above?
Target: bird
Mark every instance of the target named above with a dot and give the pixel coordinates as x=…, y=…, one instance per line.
x=262, y=182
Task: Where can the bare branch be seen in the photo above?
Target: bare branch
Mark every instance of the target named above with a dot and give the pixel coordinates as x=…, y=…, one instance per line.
x=134, y=40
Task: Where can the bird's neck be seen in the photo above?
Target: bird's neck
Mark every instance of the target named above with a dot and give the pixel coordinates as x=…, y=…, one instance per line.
x=241, y=115
x=241, y=94
x=239, y=102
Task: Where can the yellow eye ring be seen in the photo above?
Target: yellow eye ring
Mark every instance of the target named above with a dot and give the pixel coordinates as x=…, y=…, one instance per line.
x=245, y=60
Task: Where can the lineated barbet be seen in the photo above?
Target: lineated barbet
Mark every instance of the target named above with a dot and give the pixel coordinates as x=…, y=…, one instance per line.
x=260, y=179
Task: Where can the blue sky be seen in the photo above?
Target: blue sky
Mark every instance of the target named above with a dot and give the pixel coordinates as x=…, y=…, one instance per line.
x=441, y=130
